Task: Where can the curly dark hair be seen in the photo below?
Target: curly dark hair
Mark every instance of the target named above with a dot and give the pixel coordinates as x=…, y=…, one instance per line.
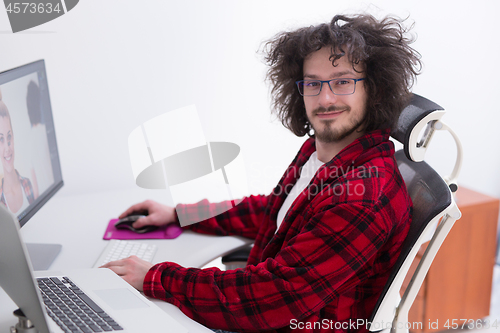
x=381, y=46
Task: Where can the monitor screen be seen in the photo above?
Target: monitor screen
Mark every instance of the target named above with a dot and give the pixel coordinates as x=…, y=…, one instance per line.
x=30, y=171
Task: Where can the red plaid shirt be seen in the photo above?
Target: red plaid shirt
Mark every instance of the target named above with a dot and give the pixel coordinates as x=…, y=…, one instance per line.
x=325, y=267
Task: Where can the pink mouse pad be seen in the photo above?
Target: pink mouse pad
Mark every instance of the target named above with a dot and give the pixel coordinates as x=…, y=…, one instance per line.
x=166, y=232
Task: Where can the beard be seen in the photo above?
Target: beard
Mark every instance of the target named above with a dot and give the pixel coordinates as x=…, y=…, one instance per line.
x=329, y=134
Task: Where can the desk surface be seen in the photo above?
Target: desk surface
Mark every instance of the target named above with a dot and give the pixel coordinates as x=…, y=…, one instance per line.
x=78, y=223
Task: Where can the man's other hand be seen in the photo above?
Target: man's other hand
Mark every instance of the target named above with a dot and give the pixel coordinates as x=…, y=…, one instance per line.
x=132, y=269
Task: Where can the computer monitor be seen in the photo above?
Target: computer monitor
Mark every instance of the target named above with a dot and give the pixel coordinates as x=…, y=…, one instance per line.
x=30, y=171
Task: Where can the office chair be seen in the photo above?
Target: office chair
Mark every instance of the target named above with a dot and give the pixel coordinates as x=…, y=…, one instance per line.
x=433, y=204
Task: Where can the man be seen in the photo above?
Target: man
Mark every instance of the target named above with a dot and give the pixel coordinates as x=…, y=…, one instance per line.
x=327, y=237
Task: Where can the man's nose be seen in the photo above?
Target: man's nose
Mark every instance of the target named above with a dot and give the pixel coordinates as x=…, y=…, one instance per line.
x=326, y=96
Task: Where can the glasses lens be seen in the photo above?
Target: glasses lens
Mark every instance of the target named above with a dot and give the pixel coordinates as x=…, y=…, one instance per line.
x=342, y=86
x=309, y=87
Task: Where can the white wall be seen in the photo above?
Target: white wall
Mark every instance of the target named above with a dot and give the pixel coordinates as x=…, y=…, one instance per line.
x=114, y=64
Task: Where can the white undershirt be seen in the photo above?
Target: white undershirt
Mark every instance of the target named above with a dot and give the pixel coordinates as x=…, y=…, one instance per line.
x=23, y=206
x=307, y=173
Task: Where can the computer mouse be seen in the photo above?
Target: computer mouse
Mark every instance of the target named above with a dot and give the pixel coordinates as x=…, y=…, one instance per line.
x=126, y=223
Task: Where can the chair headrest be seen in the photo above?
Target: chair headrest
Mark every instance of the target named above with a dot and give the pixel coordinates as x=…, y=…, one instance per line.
x=419, y=114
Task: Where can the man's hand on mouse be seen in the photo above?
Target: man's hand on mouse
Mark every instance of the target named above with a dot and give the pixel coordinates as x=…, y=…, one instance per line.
x=158, y=214
x=132, y=269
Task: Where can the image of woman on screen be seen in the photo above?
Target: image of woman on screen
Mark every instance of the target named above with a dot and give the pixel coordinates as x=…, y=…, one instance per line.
x=16, y=192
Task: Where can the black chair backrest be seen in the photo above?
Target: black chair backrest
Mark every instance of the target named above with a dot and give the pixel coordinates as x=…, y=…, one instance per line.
x=430, y=196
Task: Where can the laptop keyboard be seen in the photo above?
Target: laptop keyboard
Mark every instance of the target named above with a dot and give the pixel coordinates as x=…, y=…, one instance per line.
x=72, y=309
x=120, y=249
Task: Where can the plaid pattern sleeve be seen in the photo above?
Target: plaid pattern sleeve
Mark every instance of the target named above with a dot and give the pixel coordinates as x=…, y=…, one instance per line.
x=28, y=189
x=242, y=220
x=323, y=269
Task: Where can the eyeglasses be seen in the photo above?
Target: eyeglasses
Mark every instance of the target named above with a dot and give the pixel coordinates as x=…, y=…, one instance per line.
x=337, y=86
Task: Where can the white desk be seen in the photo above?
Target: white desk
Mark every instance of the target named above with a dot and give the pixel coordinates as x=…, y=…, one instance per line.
x=79, y=222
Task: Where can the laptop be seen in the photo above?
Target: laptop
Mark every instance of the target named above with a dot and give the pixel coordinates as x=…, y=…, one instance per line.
x=107, y=302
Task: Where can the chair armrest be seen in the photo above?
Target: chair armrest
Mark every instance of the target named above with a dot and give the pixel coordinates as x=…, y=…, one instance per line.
x=238, y=258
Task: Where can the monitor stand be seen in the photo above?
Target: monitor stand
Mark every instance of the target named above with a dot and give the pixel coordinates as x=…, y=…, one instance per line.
x=42, y=255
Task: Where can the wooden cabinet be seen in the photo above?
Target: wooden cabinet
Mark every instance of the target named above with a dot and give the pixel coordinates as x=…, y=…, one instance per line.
x=458, y=284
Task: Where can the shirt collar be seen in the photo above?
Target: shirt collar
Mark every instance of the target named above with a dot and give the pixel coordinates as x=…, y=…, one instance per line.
x=351, y=152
